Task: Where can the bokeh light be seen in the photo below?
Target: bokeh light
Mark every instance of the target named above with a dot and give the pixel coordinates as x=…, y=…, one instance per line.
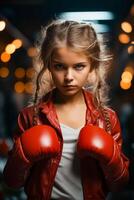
x=129, y=69
x=19, y=72
x=4, y=72
x=2, y=25
x=130, y=49
x=125, y=85
x=32, y=51
x=126, y=77
x=126, y=27
x=5, y=57
x=132, y=10
x=10, y=48
x=29, y=87
x=19, y=87
x=124, y=38
x=30, y=72
x=17, y=43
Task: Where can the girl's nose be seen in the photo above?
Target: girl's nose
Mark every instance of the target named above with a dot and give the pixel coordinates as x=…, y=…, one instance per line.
x=68, y=76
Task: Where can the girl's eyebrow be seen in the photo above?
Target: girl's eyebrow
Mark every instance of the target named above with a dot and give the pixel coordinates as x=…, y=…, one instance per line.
x=82, y=63
x=56, y=61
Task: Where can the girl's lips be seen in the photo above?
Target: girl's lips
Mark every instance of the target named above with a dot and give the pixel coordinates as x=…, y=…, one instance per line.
x=70, y=86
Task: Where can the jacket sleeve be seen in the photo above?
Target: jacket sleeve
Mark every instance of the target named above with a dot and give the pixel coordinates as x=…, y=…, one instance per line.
x=17, y=166
x=116, y=171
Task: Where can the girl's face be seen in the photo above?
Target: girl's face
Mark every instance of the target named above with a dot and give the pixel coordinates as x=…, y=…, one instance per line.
x=69, y=70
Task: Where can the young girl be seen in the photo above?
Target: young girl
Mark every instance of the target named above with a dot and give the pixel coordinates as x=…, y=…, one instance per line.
x=68, y=143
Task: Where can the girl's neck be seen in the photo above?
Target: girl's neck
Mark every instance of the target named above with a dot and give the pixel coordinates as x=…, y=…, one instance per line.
x=59, y=98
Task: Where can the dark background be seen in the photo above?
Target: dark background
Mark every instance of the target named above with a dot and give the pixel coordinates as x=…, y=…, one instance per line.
x=24, y=20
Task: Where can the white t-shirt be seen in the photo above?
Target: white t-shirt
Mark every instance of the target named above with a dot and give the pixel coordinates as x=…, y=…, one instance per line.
x=67, y=185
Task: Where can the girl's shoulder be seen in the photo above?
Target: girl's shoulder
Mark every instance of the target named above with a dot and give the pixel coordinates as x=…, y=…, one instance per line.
x=112, y=114
x=30, y=109
x=109, y=109
x=25, y=111
x=25, y=117
x=114, y=120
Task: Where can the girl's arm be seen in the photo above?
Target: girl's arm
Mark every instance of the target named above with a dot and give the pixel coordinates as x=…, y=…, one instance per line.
x=116, y=171
x=17, y=167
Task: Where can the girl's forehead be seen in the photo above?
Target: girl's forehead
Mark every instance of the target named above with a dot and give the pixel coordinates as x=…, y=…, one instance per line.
x=66, y=53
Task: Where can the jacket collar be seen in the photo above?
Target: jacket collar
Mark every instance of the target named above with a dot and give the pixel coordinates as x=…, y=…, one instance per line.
x=92, y=111
x=46, y=106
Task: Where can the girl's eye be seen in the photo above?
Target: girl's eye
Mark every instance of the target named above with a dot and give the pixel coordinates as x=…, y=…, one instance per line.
x=79, y=67
x=58, y=66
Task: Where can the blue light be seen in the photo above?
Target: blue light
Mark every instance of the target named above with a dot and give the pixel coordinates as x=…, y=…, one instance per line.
x=79, y=16
x=92, y=18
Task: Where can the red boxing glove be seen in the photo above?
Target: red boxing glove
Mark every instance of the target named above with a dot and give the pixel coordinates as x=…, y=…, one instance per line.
x=96, y=142
x=38, y=142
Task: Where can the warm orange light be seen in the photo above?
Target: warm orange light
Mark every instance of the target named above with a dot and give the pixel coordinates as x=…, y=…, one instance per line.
x=129, y=69
x=126, y=77
x=4, y=72
x=17, y=43
x=29, y=87
x=124, y=38
x=32, y=51
x=5, y=57
x=30, y=72
x=125, y=85
x=19, y=72
x=19, y=87
x=130, y=49
x=2, y=25
x=10, y=48
x=126, y=27
x=132, y=10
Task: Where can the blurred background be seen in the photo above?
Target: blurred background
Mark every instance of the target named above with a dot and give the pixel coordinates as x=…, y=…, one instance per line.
x=20, y=24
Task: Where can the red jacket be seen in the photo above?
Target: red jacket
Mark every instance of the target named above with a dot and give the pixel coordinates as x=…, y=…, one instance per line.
x=97, y=180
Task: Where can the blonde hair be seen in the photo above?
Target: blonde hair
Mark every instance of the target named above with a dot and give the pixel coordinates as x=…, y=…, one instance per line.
x=80, y=37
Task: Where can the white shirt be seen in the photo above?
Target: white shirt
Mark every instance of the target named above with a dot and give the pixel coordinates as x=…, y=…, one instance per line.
x=67, y=185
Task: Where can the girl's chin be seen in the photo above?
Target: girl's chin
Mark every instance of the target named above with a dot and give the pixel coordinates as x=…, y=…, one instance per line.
x=69, y=92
